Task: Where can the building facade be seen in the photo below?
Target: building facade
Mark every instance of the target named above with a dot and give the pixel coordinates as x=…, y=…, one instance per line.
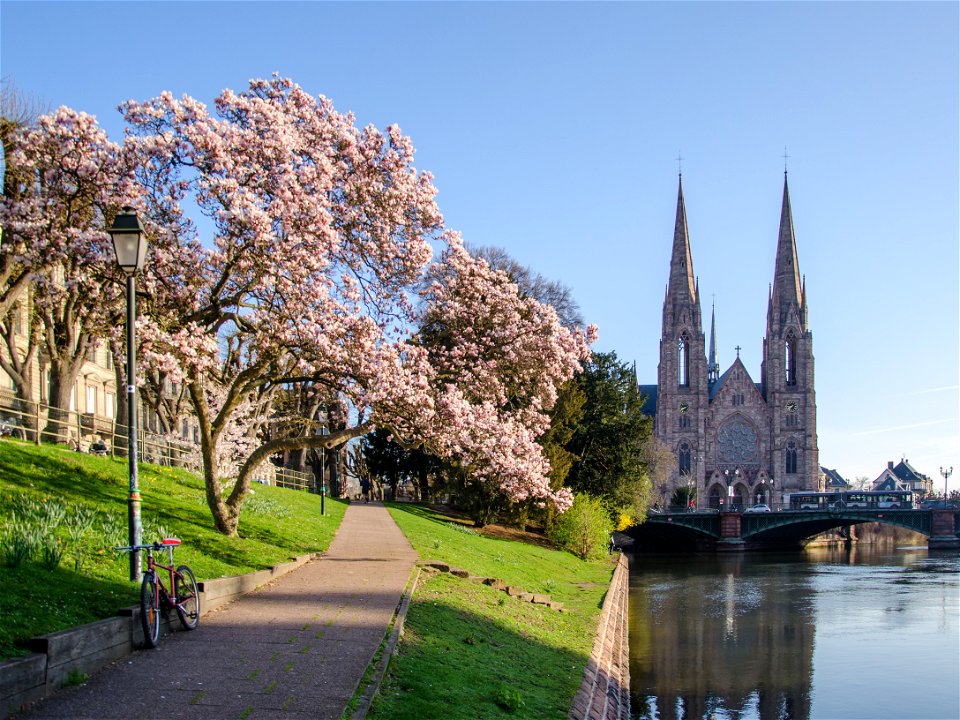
x=903, y=476
x=737, y=441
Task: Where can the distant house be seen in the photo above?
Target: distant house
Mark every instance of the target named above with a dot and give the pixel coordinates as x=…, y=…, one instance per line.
x=903, y=476
x=831, y=480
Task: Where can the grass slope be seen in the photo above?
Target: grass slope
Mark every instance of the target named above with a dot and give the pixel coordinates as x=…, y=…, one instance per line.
x=469, y=651
x=36, y=598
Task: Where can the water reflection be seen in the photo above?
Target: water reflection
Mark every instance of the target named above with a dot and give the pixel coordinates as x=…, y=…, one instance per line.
x=715, y=638
x=823, y=634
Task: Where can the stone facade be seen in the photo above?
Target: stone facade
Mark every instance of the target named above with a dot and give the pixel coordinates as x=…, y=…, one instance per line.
x=737, y=441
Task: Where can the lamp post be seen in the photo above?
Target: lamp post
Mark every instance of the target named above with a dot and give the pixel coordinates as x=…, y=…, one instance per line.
x=946, y=472
x=323, y=474
x=728, y=476
x=130, y=246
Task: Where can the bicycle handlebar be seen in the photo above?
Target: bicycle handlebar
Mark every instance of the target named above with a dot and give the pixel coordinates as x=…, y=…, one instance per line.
x=167, y=543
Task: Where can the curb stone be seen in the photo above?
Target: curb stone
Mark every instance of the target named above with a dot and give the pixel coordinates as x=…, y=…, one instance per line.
x=496, y=584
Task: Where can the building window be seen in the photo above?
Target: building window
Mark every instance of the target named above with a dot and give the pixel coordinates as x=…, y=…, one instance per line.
x=790, y=360
x=683, y=363
x=109, y=403
x=186, y=429
x=684, y=422
x=109, y=360
x=16, y=319
x=791, y=458
x=684, y=458
x=196, y=433
x=91, y=399
x=92, y=353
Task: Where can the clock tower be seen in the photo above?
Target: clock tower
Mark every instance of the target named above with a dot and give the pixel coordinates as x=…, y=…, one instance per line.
x=682, y=397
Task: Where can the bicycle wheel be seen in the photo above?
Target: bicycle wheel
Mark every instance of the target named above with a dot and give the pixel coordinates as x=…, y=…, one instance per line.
x=188, y=597
x=150, y=610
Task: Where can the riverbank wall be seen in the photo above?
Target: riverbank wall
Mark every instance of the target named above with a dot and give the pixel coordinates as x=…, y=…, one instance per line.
x=604, y=692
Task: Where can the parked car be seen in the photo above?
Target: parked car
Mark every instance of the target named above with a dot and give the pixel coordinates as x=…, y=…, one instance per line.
x=758, y=508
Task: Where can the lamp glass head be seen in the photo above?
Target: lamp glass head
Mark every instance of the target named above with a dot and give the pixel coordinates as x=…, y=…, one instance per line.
x=129, y=244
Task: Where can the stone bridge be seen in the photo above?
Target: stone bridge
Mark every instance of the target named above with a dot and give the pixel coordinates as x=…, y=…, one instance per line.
x=786, y=529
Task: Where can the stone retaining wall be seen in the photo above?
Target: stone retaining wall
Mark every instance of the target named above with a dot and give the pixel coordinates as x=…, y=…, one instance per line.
x=604, y=692
x=85, y=649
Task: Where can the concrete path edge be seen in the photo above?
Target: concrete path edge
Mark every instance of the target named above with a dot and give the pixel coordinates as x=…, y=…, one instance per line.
x=373, y=685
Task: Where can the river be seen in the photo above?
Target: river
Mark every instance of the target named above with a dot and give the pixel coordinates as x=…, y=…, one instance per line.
x=828, y=633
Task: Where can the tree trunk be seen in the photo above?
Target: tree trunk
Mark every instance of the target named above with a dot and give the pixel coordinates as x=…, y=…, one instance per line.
x=58, y=416
x=122, y=424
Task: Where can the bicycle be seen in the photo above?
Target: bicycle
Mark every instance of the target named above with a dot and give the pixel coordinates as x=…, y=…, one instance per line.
x=155, y=598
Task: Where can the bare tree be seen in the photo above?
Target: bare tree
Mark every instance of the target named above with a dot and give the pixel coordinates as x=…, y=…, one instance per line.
x=533, y=284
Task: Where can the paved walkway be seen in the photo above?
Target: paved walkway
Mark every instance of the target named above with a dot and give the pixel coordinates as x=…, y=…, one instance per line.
x=294, y=649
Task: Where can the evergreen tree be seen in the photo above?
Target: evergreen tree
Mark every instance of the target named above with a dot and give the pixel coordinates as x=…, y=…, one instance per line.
x=609, y=441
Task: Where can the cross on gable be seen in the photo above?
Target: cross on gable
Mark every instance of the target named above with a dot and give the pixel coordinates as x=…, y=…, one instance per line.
x=737, y=348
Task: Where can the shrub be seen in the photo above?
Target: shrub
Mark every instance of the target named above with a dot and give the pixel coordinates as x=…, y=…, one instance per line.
x=585, y=528
x=509, y=699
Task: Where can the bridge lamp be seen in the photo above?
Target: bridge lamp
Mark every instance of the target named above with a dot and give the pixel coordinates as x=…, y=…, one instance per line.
x=946, y=472
x=130, y=246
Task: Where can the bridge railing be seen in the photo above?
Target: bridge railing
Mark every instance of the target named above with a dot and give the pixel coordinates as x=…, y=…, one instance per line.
x=678, y=509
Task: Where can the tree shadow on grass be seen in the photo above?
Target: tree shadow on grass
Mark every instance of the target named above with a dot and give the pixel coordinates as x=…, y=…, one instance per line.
x=36, y=600
x=467, y=655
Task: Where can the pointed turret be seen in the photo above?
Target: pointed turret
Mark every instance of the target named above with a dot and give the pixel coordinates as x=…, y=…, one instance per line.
x=682, y=283
x=713, y=367
x=787, y=291
x=682, y=397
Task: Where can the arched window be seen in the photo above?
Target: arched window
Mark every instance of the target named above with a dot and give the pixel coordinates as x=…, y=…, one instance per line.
x=791, y=458
x=684, y=457
x=683, y=363
x=790, y=360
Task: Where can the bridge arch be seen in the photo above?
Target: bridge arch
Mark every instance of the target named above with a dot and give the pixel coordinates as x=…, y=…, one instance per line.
x=755, y=531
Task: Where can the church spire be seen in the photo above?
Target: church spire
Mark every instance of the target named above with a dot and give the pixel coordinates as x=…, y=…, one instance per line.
x=682, y=283
x=713, y=367
x=787, y=290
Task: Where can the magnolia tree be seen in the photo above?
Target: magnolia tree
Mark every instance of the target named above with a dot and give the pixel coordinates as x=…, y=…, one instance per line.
x=310, y=264
x=70, y=181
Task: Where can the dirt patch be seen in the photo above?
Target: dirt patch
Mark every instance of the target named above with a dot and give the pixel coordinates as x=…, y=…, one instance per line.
x=499, y=532
x=502, y=532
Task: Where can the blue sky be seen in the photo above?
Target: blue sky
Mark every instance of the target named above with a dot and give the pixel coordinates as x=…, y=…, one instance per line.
x=553, y=130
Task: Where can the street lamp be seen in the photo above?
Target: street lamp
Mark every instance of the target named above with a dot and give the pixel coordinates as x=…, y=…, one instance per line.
x=130, y=246
x=946, y=472
x=323, y=472
x=735, y=476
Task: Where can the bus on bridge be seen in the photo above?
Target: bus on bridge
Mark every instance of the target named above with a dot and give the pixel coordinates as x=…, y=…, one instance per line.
x=851, y=499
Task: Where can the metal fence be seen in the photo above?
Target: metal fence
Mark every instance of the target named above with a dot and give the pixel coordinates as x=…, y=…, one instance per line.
x=80, y=431
x=294, y=479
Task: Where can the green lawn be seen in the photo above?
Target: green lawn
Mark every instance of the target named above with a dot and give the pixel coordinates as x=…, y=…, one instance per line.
x=41, y=595
x=469, y=651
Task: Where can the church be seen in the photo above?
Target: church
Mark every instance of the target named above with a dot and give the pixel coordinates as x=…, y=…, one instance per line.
x=737, y=442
